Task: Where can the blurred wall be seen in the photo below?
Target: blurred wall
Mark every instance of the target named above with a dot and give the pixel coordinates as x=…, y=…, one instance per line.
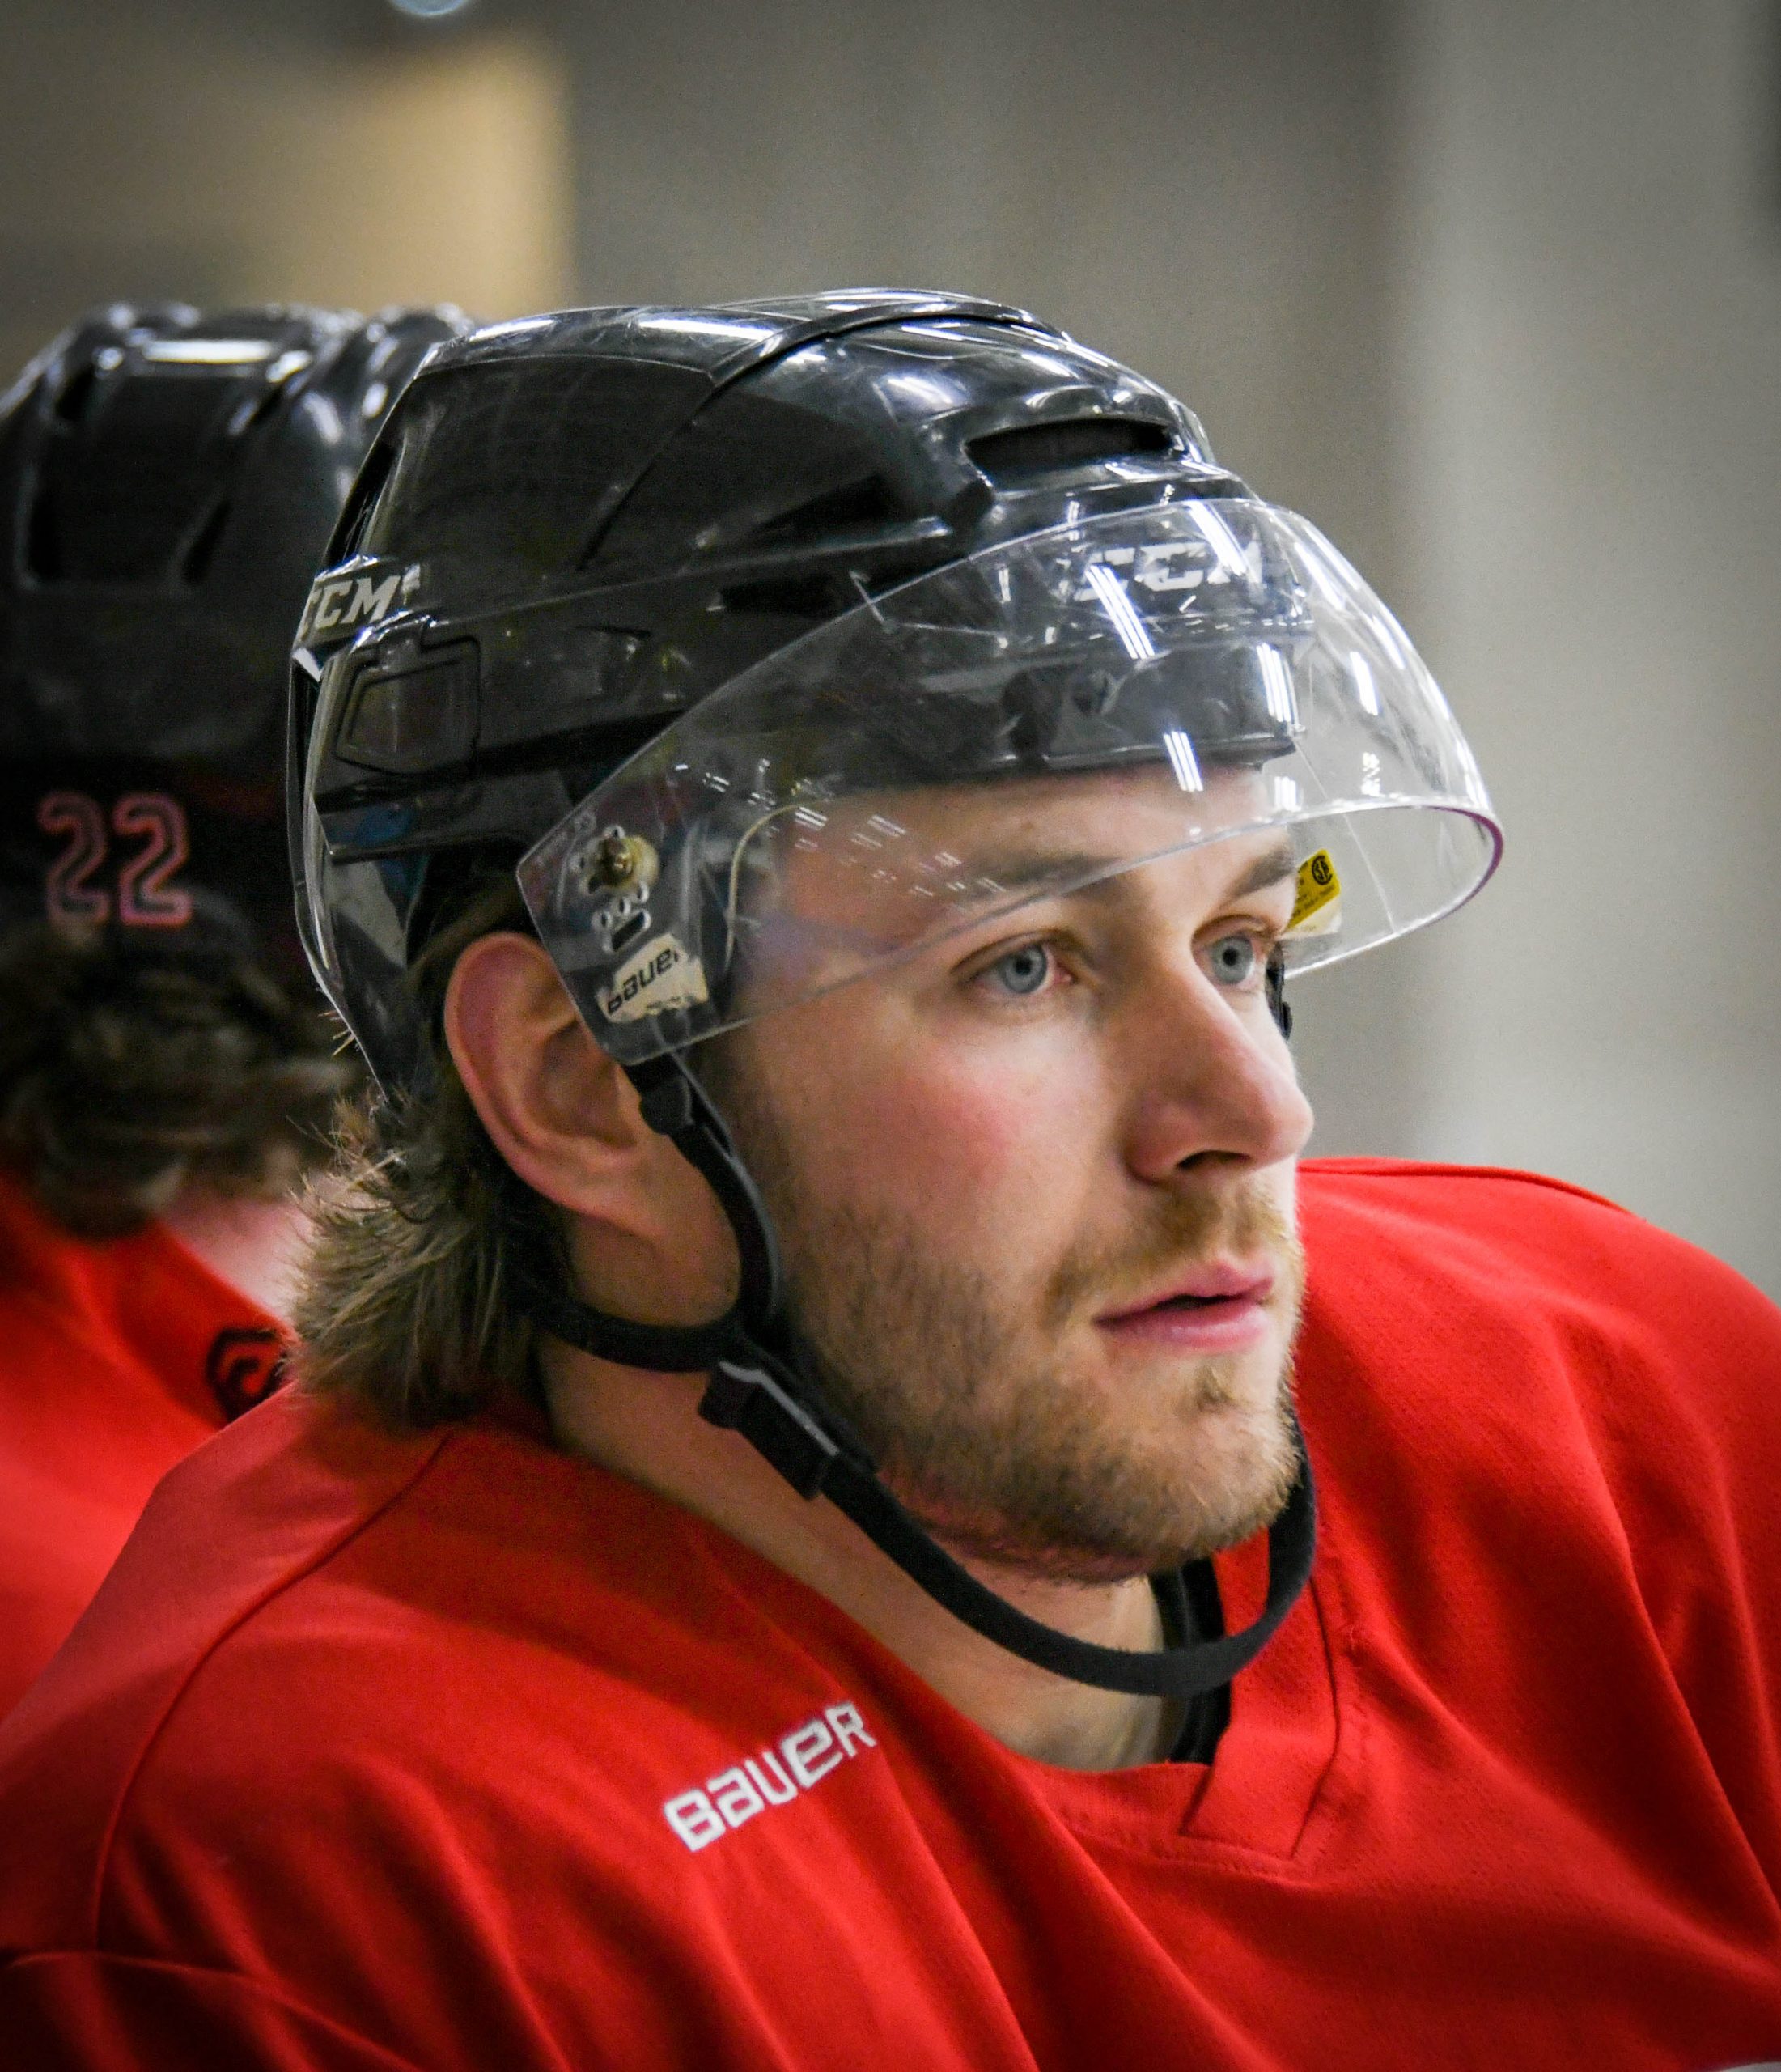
x=1492, y=290
x=1589, y=389
x=1199, y=188
x=213, y=153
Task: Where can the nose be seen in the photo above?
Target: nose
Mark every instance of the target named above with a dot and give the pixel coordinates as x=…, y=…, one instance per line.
x=1213, y=1085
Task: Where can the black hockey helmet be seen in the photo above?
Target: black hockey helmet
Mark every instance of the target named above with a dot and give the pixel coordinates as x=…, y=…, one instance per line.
x=168, y=480
x=677, y=611
x=575, y=528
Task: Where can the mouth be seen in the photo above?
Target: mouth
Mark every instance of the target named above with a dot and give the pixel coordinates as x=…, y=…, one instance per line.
x=1217, y=1308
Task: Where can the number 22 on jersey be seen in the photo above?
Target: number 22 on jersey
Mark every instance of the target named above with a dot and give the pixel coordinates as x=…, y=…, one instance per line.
x=146, y=897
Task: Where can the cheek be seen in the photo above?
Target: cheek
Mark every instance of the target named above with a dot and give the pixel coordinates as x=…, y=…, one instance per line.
x=990, y=1151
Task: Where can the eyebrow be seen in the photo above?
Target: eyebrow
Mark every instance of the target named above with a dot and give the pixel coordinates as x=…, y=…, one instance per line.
x=1270, y=867
x=1030, y=872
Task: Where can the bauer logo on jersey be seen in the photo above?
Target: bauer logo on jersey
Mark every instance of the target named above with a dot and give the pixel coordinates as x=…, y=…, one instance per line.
x=774, y=1777
x=344, y=600
x=661, y=976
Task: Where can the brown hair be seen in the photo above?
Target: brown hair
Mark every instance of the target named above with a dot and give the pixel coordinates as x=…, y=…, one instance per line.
x=125, y=1076
x=408, y=1303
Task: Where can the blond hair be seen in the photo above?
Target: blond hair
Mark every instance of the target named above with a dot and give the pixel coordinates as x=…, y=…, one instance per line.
x=420, y=1228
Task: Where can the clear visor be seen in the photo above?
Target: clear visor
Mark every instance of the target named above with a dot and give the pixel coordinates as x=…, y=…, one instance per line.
x=1017, y=727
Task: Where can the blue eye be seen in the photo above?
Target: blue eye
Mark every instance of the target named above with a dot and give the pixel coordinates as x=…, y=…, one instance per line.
x=1023, y=971
x=1233, y=960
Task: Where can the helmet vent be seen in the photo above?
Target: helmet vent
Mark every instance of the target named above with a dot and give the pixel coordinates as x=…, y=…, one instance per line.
x=43, y=542
x=76, y=394
x=1015, y=459
x=195, y=564
x=356, y=520
x=856, y=506
x=250, y=416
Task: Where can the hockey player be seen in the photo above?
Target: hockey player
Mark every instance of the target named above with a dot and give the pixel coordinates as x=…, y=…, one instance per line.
x=852, y=1504
x=166, y=1071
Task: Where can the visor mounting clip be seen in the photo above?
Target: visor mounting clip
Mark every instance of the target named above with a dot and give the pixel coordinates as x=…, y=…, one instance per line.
x=618, y=862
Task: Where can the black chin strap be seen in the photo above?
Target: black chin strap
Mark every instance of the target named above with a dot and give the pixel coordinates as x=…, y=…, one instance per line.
x=752, y=1401
x=675, y=1105
x=757, y=1391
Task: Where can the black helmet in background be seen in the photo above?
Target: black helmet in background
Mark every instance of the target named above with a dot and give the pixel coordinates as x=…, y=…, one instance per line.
x=168, y=482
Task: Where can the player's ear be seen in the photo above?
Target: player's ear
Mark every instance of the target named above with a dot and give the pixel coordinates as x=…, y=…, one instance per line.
x=646, y=1237
x=558, y=1110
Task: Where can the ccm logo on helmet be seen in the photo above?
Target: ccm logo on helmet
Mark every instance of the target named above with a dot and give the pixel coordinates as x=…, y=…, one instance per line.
x=774, y=1777
x=1167, y=565
x=339, y=603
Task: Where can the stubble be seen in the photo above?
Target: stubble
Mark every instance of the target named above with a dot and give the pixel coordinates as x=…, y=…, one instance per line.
x=983, y=1406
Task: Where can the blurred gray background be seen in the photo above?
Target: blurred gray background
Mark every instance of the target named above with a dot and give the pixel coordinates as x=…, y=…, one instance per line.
x=1491, y=289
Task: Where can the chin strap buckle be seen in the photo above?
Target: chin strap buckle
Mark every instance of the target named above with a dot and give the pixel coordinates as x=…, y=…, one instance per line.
x=749, y=1401
x=666, y=1104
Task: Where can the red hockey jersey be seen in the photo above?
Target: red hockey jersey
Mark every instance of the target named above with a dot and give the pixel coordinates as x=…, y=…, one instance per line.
x=117, y=1358
x=452, y=1751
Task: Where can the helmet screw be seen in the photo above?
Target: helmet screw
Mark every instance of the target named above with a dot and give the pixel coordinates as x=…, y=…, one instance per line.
x=618, y=860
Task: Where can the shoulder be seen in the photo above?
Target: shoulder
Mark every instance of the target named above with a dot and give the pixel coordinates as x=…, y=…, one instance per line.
x=449, y=1634
x=1384, y=1187
x=121, y=2013
x=230, y=1530
x=1530, y=1236
x=1503, y=1289
x=441, y=1685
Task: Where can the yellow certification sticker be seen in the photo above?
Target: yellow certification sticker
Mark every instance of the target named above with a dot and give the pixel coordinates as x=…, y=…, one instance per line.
x=1316, y=905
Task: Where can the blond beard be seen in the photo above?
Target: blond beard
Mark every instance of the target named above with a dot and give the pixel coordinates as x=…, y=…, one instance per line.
x=978, y=1424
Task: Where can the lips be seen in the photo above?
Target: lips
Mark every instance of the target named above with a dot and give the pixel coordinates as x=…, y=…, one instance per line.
x=1219, y=1285
x=1222, y=1307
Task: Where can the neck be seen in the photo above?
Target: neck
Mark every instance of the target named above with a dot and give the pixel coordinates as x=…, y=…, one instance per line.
x=647, y=1427
x=256, y=1247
